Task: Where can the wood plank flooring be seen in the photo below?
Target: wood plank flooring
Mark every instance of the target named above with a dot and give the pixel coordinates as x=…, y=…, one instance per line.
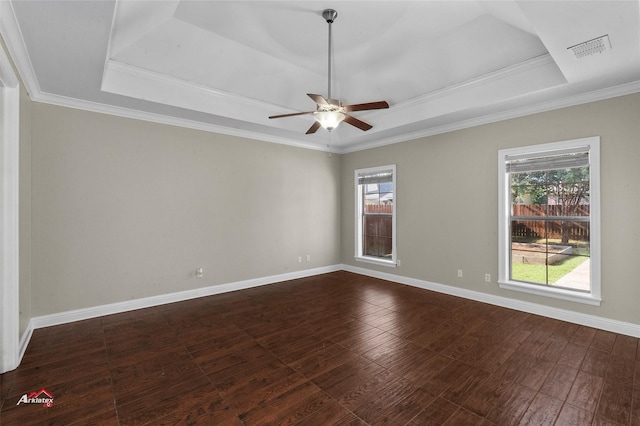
x=336, y=349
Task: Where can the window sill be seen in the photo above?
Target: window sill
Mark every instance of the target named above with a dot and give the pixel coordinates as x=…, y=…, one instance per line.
x=556, y=293
x=375, y=261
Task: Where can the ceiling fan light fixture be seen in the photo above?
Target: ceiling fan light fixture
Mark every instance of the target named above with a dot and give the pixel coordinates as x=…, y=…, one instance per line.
x=330, y=112
x=329, y=120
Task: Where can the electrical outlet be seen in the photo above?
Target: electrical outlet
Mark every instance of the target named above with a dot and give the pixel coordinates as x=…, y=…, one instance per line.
x=398, y=262
x=487, y=278
x=459, y=273
x=299, y=259
x=199, y=273
x=308, y=258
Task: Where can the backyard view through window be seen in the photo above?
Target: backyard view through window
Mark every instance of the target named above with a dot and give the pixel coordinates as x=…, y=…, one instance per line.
x=375, y=227
x=549, y=224
x=550, y=220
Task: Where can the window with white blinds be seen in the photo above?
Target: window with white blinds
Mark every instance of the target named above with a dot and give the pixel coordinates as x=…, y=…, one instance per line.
x=375, y=223
x=549, y=220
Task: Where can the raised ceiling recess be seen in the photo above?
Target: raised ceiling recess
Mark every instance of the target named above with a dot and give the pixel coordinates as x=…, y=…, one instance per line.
x=226, y=66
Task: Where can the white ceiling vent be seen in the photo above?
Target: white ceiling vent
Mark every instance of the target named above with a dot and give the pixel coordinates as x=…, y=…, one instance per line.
x=591, y=47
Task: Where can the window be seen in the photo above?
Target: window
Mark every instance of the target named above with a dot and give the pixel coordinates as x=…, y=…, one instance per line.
x=376, y=215
x=549, y=220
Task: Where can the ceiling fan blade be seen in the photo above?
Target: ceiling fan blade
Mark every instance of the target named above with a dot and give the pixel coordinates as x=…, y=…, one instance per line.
x=319, y=99
x=357, y=123
x=367, y=106
x=292, y=115
x=315, y=126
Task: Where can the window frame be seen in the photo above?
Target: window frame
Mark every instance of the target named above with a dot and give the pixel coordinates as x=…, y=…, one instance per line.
x=504, y=212
x=358, y=218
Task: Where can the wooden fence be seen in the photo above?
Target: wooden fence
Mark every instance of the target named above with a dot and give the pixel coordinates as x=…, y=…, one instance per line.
x=378, y=230
x=549, y=210
x=533, y=229
x=378, y=225
x=378, y=209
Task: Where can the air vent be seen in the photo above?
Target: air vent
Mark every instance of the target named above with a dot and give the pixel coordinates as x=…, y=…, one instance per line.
x=591, y=47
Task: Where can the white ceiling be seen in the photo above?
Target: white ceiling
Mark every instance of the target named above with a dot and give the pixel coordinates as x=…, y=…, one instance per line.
x=226, y=66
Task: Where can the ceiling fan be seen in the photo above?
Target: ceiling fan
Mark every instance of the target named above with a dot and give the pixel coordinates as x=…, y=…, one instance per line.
x=330, y=112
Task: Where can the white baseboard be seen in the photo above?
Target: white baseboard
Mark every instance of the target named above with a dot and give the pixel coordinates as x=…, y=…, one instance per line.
x=601, y=323
x=615, y=326
x=147, y=302
x=24, y=341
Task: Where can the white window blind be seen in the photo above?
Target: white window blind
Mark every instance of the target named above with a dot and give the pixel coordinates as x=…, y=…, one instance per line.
x=563, y=159
x=377, y=177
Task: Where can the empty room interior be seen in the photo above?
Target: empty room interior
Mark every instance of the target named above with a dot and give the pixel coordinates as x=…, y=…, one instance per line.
x=318, y=213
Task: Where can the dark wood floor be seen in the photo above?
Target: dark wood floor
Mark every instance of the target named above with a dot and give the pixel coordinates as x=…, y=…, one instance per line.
x=337, y=349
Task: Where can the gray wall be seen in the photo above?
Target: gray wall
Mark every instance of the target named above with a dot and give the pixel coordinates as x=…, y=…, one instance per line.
x=126, y=209
x=447, y=202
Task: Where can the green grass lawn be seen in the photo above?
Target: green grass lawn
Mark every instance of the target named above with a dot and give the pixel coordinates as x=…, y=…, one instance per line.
x=537, y=274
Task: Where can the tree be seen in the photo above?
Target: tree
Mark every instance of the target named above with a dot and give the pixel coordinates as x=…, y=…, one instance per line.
x=570, y=189
x=566, y=188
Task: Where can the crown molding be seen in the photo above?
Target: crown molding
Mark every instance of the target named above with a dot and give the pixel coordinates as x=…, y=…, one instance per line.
x=129, y=80
x=583, y=98
x=10, y=31
x=118, y=111
x=530, y=65
x=554, y=104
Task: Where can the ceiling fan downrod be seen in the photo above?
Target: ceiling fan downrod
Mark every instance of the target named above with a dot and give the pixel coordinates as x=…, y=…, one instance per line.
x=329, y=15
x=329, y=112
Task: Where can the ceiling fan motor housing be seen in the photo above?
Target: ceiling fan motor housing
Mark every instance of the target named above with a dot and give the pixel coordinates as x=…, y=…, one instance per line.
x=334, y=104
x=329, y=15
x=330, y=112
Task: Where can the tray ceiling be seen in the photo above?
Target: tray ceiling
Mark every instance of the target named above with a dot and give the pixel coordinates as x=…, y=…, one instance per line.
x=226, y=66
